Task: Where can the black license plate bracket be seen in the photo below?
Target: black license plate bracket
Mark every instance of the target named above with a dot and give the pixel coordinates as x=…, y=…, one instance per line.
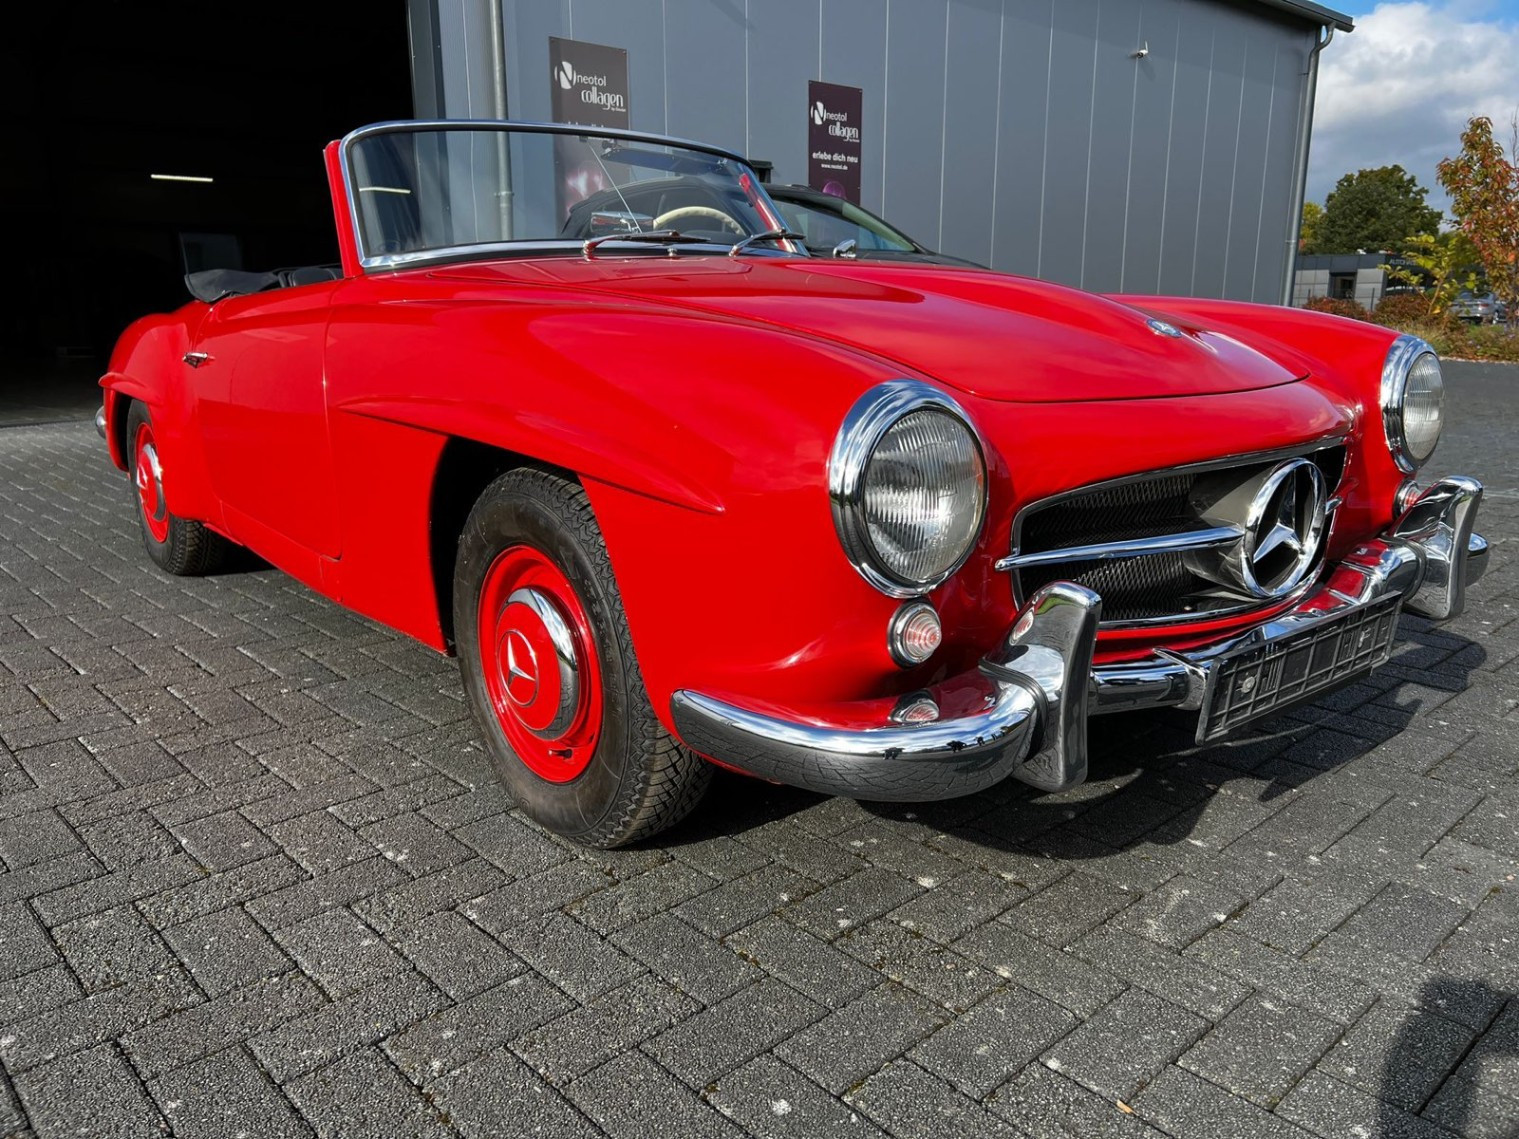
x=1262, y=679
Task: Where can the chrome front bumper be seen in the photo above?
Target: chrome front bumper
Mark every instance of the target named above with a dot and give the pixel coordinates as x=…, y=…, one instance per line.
x=1024, y=711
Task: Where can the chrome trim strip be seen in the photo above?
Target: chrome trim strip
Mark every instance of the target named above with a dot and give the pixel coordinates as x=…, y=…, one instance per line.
x=402, y=126
x=1207, y=539
x=872, y=415
x=1400, y=360
x=444, y=254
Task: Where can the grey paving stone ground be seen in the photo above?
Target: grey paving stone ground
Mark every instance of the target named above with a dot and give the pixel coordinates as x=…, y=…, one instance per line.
x=255, y=878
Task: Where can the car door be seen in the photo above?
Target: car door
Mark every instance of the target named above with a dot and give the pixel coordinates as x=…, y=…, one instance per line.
x=262, y=394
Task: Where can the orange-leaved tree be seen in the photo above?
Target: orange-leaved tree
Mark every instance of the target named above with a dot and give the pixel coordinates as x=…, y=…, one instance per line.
x=1483, y=184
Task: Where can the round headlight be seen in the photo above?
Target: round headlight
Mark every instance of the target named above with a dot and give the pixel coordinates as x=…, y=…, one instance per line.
x=1413, y=402
x=908, y=486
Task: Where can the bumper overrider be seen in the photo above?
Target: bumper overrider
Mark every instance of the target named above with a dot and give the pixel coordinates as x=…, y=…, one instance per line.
x=1024, y=711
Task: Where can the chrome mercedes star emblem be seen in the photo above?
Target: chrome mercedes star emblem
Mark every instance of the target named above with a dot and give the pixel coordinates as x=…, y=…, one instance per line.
x=1161, y=328
x=1285, y=528
x=521, y=669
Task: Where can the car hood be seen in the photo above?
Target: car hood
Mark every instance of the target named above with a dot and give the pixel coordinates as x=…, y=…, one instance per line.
x=988, y=334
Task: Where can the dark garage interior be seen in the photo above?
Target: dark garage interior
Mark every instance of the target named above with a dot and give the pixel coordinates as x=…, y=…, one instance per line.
x=100, y=97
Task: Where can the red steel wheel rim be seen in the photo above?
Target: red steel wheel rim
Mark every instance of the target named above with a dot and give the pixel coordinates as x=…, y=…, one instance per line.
x=542, y=673
x=147, y=474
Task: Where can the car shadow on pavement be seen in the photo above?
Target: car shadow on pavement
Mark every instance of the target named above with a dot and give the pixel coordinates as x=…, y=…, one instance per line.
x=1148, y=782
x=1454, y=1077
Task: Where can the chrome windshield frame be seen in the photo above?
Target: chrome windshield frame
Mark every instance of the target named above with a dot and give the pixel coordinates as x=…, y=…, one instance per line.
x=388, y=261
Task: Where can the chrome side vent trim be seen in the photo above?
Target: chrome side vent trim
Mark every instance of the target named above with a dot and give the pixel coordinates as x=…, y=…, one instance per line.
x=1210, y=538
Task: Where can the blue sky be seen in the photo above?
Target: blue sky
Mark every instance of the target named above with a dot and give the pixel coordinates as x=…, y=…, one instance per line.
x=1400, y=87
x=1493, y=9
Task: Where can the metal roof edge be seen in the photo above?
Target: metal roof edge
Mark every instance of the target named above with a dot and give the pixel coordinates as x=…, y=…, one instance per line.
x=1317, y=13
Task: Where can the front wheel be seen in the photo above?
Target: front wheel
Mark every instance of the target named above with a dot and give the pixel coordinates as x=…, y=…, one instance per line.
x=177, y=545
x=549, y=669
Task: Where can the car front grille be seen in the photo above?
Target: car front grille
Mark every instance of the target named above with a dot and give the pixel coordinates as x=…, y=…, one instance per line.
x=1157, y=586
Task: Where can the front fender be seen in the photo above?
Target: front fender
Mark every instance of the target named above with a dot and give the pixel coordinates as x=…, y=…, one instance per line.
x=659, y=402
x=702, y=442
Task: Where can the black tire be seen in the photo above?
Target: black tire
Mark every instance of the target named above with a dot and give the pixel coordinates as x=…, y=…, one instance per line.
x=179, y=546
x=636, y=780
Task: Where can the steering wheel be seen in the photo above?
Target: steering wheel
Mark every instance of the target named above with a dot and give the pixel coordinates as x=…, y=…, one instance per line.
x=706, y=213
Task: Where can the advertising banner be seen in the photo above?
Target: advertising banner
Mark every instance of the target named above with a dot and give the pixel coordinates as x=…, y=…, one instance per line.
x=833, y=139
x=588, y=83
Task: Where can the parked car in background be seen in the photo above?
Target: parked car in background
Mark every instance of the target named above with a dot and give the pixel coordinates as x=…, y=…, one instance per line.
x=675, y=490
x=833, y=227
x=1479, y=308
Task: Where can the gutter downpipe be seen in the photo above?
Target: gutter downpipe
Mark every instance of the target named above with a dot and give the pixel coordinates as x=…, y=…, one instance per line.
x=1300, y=179
x=499, y=111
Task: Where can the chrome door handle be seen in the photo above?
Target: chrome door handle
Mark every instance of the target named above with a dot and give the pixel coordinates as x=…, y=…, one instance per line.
x=196, y=359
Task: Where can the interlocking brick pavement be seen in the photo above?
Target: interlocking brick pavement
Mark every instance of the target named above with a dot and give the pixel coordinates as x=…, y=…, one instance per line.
x=255, y=878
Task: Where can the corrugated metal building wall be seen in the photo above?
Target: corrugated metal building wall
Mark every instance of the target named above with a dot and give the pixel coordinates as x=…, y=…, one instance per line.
x=1026, y=134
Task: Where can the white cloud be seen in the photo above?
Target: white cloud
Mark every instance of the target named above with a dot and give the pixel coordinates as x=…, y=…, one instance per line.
x=1400, y=88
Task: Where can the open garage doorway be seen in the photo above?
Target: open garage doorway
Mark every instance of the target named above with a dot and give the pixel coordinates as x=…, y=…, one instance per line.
x=148, y=140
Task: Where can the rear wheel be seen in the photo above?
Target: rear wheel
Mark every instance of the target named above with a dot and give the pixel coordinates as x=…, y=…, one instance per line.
x=549, y=668
x=176, y=545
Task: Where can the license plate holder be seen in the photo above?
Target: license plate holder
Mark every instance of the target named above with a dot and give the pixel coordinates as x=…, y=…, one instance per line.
x=1261, y=679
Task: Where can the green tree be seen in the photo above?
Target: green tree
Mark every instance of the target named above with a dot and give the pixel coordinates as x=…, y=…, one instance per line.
x=1483, y=184
x=1374, y=210
x=1308, y=234
x=1440, y=266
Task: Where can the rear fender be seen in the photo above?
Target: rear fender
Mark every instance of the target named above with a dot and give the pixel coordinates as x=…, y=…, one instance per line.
x=148, y=365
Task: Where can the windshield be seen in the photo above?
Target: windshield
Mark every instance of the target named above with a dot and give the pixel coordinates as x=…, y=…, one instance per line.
x=825, y=226
x=431, y=192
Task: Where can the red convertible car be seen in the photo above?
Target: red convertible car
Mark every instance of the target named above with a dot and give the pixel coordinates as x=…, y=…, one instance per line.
x=577, y=407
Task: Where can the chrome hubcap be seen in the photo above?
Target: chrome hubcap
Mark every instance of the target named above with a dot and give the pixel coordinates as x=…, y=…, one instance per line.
x=150, y=482
x=540, y=673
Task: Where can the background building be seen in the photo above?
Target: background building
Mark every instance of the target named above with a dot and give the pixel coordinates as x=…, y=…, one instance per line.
x=1110, y=144
x=1359, y=277
x=1137, y=145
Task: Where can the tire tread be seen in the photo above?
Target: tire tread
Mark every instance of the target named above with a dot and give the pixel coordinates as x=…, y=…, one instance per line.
x=669, y=779
x=192, y=549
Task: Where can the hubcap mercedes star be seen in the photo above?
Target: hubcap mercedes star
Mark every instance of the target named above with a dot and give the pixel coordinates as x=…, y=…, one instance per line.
x=539, y=664
x=521, y=668
x=1285, y=529
x=149, y=478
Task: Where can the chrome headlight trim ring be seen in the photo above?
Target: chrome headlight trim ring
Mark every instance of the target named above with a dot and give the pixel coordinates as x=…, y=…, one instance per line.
x=872, y=416
x=1396, y=368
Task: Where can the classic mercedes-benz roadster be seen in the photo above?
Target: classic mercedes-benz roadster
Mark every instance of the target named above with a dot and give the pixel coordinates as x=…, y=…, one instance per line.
x=577, y=407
